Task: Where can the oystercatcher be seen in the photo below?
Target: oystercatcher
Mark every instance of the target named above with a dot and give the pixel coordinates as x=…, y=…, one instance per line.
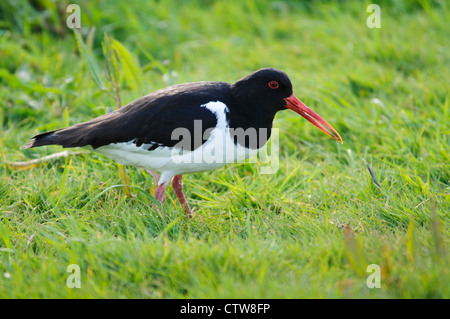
x=190, y=127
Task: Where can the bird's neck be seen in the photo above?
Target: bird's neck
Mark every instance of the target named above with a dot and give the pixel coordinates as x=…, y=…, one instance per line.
x=249, y=127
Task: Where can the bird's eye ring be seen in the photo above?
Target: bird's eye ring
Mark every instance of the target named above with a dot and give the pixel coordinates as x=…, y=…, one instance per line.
x=273, y=84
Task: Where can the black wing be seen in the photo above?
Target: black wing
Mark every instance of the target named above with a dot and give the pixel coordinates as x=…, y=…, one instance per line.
x=148, y=120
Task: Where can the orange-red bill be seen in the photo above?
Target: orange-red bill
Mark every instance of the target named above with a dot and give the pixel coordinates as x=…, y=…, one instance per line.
x=297, y=106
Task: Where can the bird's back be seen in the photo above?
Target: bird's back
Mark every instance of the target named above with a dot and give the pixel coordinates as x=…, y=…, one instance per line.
x=149, y=119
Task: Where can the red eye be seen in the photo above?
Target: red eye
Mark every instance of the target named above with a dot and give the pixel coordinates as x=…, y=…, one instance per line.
x=273, y=84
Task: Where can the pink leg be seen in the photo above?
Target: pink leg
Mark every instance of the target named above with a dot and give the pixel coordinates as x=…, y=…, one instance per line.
x=159, y=192
x=178, y=189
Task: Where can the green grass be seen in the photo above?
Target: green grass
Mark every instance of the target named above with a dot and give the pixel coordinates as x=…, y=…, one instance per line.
x=308, y=231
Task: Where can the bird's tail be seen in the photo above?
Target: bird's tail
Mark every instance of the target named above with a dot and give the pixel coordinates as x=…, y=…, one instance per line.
x=81, y=134
x=67, y=137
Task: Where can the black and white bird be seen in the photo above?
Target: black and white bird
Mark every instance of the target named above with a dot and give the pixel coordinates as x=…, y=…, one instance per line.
x=190, y=127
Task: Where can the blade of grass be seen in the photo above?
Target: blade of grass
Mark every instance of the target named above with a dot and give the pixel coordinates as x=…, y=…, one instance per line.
x=89, y=60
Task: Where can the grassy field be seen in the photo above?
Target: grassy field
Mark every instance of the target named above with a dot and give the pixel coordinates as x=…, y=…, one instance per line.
x=310, y=230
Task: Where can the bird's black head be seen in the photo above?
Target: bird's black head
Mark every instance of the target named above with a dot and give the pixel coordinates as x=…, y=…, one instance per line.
x=265, y=92
x=265, y=89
